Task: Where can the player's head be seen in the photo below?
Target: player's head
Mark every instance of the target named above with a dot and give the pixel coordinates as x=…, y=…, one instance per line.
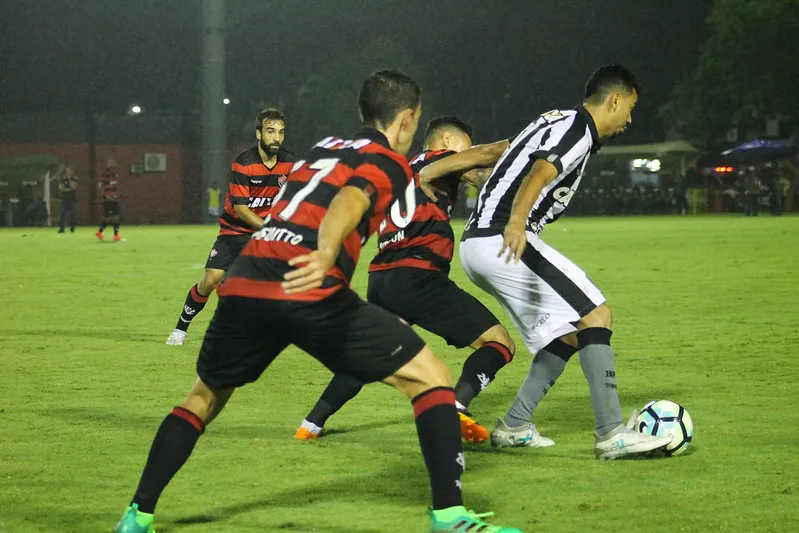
x=611, y=94
x=270, y=130
x=448, y=133
x=70, y=171
x=391, y=102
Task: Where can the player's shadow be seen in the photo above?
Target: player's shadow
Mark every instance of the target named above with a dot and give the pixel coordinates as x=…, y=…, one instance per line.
x=396, y=485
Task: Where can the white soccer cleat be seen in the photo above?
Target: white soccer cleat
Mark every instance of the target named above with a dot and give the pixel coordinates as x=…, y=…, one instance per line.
x=176, y=338
x=526, y=435
x=625, y=441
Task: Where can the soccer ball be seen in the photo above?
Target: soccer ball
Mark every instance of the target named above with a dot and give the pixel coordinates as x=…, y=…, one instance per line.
x=664, y=417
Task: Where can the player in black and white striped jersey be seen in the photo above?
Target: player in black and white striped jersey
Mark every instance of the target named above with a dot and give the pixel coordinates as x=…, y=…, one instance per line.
x=552, y=302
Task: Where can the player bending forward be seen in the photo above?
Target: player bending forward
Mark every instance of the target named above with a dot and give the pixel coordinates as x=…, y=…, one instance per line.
x=409, y=276
x=546, y=295
x=290, y=285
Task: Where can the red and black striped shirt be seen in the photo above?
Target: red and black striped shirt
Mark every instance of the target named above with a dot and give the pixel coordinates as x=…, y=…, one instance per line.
x=366, y=162
x=427, y=240
x=109, y=180
x=255, y=185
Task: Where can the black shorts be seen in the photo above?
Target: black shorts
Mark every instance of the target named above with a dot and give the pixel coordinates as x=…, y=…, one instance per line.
x=225, y=250
x=346, y=334
x=111, y=209
x=431, y=300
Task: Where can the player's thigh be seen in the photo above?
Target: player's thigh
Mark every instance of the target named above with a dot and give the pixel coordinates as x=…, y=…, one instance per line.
x=544, y=293
x=444, y=309
x=244, y=337
x=355, y=338
x=225, y=250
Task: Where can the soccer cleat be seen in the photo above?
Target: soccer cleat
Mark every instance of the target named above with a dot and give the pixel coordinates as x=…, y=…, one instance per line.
x=308, y=431
x=459, y=520
x=505, y=436
x=176, y=338
x=117, y=238
x=304, y=434
x=625, y=441
x=134, y=521
x=471, y=431
x=99, y=235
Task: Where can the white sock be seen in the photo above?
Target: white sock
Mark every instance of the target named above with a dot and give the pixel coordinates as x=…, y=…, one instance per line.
x=311, y=427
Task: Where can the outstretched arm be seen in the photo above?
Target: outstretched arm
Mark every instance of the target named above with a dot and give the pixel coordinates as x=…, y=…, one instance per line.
x=483, y=155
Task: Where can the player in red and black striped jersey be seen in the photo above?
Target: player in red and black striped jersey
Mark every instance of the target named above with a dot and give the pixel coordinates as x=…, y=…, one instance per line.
x=109, y=181
x=290, y=285
x=409, y=276
x=256, y=177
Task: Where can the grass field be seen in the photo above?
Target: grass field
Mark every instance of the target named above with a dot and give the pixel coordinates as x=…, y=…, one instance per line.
x=706, y=312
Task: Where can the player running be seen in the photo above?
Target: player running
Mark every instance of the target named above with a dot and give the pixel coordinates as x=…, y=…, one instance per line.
x=255, y=178
x=290, y=285
x=546, y=295
x=409, y=276
x=109, y=181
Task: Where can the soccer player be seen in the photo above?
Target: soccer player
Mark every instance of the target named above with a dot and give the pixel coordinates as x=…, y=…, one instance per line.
x=290, y=285
x=409, y=276
x=67, y=188
x=109, y=180
x=547, y=296
x=255, y=179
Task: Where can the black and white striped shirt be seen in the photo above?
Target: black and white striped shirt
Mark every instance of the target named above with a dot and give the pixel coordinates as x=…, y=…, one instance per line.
x=565, y=138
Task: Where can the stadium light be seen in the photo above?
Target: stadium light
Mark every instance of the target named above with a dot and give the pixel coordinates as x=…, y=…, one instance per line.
x=226, y=101
x=135, y=109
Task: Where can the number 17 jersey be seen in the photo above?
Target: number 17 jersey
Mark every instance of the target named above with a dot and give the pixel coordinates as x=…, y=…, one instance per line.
x=366, y=162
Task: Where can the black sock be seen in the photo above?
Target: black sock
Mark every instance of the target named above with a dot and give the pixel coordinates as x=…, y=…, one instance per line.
x=171, y=447
x=102, y=227
x=440, y=438
x=339, y=391
x=480, y=369
x=116, y=228
x=194, y=304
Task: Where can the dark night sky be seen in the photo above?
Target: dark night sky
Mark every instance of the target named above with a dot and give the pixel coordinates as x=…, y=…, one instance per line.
x=526, y=56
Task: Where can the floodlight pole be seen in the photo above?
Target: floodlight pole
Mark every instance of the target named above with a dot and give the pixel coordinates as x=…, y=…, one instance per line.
x=214, y=147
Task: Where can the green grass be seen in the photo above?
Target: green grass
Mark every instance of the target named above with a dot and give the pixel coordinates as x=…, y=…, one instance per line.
x=705, y=311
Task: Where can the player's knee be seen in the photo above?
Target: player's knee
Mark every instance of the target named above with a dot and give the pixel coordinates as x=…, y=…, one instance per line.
x=212, y=277
x=205, y=402
x=601, y=317
x=499, y=335
x=424, y=372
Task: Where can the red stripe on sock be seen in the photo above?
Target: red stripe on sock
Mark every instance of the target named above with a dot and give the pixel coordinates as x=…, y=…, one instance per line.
x=196, y=295
x=501, y=348
x=189, y=417
x=432, y=398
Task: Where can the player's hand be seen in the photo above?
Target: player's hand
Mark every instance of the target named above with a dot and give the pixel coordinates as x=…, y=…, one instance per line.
x=514, y=240
x=429, y=190
x=310, y=274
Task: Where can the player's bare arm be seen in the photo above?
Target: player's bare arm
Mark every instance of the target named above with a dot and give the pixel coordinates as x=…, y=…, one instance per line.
x=515, y=236
x=483, y=155
x=246, y=215
x=346, y=211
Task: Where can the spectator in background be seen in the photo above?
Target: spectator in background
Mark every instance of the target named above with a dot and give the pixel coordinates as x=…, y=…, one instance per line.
x=67, y=190
x=751, y=185
x=790, y=175
x=213, y=202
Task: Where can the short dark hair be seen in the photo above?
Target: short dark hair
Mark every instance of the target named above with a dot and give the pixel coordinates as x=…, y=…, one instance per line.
x=269, y=113
x=447, y=121
x=607, y=79
x=386, y=93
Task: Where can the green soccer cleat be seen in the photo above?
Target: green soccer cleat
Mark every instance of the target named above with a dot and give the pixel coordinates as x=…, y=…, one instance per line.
x=459, y=520
x=134, y=521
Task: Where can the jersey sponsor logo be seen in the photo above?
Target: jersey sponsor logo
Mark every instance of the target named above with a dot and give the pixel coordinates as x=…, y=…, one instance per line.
x=259, y=202
x=278, y=234
x=256, y=182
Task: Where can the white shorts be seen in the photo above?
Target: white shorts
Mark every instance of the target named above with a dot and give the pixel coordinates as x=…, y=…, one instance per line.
x=544, y=294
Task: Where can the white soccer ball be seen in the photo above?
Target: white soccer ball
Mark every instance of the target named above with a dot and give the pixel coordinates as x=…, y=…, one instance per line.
x=664, y=417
